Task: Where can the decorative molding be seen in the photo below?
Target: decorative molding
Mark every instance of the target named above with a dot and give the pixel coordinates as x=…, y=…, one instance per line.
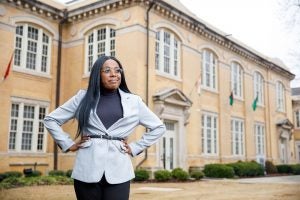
x=126, y=15
x=73, y=43
x=98, y=22
x=35, y=20
x=7, y=27
x=170, y=26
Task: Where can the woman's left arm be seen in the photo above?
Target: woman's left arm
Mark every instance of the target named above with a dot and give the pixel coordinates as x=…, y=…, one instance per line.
x=156, y=129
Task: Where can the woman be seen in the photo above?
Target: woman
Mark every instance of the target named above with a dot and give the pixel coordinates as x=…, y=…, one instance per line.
x=107, y=113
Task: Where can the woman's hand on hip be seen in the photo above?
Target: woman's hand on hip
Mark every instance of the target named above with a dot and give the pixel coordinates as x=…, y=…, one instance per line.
x=78, y=144
x=126, y=148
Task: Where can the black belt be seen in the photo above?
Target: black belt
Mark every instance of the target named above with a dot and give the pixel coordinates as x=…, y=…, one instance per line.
x=107, y=137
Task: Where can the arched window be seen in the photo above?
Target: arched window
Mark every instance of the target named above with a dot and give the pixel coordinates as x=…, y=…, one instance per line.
x=32, y=49
x=259, y=88
x=280, y=96
x=167, y=51
x=237, y=80
x=99, y=41
x=209, y=70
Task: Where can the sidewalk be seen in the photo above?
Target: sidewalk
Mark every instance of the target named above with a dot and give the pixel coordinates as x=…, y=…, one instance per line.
x=277, y=179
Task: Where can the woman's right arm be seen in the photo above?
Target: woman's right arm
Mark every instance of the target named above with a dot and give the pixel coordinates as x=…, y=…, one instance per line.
x=61, y=115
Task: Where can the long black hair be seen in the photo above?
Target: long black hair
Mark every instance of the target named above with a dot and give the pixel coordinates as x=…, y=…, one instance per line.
x=93, y=92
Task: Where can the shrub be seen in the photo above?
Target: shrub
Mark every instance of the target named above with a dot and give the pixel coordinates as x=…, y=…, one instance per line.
x=12, y=182
x=296, y=169
x=141, y=175
x=270, y=167
x=34, y=174
x=63, y=180
x=56, y=173
x=197, y=175
x=218, y=171
x=13, y=174
x=46, y=180
x=179, y=174
x=69, y=173
x=162, y=175
x=284, y=169
x=2, y=176
x=247, y=169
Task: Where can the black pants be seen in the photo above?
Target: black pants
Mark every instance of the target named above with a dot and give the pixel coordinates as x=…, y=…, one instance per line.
x=101, y=190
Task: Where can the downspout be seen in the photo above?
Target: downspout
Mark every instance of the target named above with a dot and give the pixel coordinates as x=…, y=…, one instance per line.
x=147, y=71
x=57, y=96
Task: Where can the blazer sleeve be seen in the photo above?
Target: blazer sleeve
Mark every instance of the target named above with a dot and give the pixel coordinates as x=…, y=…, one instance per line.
x=155, y=126
x=61, y=115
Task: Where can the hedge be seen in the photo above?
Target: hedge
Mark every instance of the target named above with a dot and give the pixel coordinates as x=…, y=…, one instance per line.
x=218, y=171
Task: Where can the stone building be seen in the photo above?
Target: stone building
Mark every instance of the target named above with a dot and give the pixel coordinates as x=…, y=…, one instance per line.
x=184, y=69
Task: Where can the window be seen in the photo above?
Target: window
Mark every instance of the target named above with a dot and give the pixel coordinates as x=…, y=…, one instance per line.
x=237, y=80
x=259, y=88
x=209, y=134
x=260, y=139
x=167, y=53
x=99, y=41
x=27, y=131
x=280, y=96
x=32, y=49
x=237, y=137
x=297, y=118
x=209, y=70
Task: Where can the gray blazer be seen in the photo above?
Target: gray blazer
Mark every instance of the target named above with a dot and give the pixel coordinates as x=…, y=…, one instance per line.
x=99, y=156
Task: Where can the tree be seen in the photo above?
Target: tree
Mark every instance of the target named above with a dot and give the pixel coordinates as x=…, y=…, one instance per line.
x=290, y=15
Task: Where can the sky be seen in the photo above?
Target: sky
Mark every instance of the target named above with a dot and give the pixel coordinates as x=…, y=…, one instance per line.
x=257, y=23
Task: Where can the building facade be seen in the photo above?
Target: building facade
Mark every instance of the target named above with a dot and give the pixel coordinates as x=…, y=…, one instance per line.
x=296, y=115
x=183, y=68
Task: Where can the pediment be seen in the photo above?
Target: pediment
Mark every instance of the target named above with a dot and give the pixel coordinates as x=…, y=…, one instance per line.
x=285, y=123
x=172, y=96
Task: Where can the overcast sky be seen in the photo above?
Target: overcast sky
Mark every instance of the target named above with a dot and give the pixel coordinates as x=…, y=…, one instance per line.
x=256, y=23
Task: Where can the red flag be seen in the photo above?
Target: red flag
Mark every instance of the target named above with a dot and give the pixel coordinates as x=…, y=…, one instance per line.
x=8, y=68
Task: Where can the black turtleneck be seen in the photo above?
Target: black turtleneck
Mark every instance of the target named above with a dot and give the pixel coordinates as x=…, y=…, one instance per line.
x=109, y=108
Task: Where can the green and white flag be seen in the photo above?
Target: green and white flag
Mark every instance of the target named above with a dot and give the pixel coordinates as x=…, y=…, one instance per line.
x=254, y=104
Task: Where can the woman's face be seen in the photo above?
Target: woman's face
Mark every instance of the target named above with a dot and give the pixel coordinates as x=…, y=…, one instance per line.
x=110, y=75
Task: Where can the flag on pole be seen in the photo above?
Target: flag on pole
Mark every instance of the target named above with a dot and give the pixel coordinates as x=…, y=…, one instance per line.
x=8, y=68
x=254, y=104
x=231, y=98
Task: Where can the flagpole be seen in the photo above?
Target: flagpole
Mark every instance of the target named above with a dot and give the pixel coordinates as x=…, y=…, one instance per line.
x=196, y=84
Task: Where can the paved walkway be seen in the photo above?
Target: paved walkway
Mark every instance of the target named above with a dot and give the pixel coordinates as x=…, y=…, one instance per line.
x=277, y=179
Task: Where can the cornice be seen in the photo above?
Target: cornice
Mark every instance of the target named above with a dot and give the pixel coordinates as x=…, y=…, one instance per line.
x=38, y=8
x=161, y=8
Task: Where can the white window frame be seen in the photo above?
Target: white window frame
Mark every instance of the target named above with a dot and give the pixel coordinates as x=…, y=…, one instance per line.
x=109, y=46
x=280, y=94
x=36, y=123
x=174, y=54
x=237, y=80
x=260, y=139
x=213, y=141
x=258, y=88
x=209, y=70
x=237, y=137
x=297, y=119
x=39, y=51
